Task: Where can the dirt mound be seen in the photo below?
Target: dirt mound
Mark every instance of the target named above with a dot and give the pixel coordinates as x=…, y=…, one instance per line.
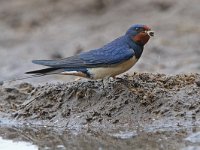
x=143, y=100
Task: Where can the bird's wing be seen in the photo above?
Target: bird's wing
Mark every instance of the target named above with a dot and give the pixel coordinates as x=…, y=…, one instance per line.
x=69, y=62
x=105, y=56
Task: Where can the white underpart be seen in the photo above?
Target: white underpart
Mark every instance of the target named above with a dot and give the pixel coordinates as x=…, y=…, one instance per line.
x=101, y=72
x=71, y=72
x=75, y=73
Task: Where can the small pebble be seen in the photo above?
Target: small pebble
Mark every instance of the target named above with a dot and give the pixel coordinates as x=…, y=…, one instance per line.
x=198, y=83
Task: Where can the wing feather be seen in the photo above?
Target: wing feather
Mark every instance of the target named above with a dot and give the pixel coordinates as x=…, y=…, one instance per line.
x=112, y=53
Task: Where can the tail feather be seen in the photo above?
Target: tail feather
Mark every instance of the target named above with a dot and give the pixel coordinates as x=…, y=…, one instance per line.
x=44, y=62
x=46, y=71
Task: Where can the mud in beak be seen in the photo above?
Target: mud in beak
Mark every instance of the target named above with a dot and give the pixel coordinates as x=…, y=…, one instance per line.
x=150, y=33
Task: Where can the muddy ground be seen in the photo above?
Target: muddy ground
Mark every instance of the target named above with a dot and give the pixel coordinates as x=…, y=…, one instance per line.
x=139, y=110
x=138, y=100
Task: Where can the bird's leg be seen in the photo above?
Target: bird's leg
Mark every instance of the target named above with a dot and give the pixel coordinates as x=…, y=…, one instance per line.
x=102, y=83
x=104, y=80
x=77, y=79
x=113, y=77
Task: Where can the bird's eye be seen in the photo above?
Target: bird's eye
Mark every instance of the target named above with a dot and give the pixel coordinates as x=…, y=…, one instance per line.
x=137, y=29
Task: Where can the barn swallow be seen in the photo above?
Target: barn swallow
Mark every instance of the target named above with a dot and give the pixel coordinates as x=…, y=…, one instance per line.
x=110, y=60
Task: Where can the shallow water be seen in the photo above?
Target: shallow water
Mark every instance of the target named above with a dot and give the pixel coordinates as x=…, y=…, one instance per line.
x=10, y=144
x=48, y=138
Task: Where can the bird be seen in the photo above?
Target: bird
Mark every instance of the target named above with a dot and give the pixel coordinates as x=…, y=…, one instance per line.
x=110, y=60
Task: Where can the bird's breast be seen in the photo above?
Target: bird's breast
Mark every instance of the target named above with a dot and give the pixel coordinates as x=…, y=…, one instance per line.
x=113, y=70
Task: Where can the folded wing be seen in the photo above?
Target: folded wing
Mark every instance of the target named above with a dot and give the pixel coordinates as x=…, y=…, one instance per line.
x=108, y=55
x=86, y=60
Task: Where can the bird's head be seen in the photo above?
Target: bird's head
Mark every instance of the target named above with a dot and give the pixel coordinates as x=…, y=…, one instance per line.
x=139, y=34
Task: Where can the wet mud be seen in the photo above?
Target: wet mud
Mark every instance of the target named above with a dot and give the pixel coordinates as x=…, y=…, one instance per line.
x=46, y=138
x=134, y=108
x=139, y=100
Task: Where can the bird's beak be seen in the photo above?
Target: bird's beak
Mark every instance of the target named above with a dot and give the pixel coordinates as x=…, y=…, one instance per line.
x=150, y=33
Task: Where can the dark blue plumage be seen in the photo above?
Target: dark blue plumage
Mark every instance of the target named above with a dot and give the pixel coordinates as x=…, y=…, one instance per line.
x=117, y=51
x=114, y=53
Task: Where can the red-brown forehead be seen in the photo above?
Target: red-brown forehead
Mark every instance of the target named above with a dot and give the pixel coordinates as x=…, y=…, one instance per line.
x=146, y=28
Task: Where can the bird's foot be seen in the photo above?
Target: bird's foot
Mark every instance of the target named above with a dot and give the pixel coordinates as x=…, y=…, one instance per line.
x=77, y=79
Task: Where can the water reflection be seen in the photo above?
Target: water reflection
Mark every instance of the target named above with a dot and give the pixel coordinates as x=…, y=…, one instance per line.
x=48, y=138
x=16, y=145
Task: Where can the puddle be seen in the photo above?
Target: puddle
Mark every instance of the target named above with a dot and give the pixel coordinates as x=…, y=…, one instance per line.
x=124, y=135
x=194, y=138
x=9, y=144
x=192, y=148
x=24, y=138
x=125, y=114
